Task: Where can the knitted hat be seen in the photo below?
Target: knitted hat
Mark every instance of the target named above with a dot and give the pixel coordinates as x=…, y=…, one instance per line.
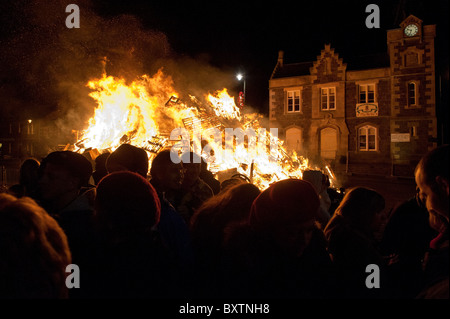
x=126, y=200
x=283, y=203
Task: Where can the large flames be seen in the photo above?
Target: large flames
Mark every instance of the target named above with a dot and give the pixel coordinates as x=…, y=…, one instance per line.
x=146, y=111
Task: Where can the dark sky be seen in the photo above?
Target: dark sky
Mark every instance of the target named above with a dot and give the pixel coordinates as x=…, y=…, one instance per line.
x=247, y=35
x=42, y=61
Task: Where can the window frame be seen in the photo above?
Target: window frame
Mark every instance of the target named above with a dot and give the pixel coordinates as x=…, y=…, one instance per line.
x=328, y=89
x=367, y=141
x=367, y=86
x=288, y=92
x=408, y=97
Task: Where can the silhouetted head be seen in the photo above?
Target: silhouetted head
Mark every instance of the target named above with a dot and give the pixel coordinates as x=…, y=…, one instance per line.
x=165, y=173
x=29, y=172
x=433, y=182
x=191, y=168
x=100, y=170
x=362, y=208
x=62, y=172
x=126, y=204
x=128, y=158
x=287, y=210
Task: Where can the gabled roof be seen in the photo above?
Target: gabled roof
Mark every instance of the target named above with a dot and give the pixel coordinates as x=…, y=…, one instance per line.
x=365, y=62
x=292, y=69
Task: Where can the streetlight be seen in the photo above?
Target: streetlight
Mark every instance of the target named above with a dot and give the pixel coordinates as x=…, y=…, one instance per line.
x=240, y=77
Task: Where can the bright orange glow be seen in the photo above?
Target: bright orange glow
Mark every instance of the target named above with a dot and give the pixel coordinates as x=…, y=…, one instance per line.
x=149, y=108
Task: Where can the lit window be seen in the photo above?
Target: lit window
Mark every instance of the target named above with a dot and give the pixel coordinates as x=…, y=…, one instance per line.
x=367, y=93
x=328, y=98
x=367, y=138
x=412, y=97
x=293, y=101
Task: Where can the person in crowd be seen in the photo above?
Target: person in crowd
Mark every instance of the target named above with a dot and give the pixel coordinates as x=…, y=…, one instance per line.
x=336, y=195
x=100, y=170
x=64, y=191
x=279, y=252
x=166, y=178
x=321, y=183
x=352, y=241
x=193, y=191
x=128, y=157
x=208, y=225
x=404, y=243
x=208, y=177
x=34, y=251
x=28, y=179
x=130, y=260
x=234, y=180
x=432, y=180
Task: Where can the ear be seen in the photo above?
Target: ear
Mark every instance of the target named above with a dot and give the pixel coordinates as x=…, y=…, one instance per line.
x=443, y=184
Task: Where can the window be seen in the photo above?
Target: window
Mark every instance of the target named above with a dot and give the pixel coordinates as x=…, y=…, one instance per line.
x=367, y=138
x=328, y=98
x=367, y=93
x=293, y=101
x=412, y=97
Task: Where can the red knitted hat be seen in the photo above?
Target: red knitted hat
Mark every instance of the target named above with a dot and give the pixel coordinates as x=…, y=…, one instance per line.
x=127, y=200
x=285, y=202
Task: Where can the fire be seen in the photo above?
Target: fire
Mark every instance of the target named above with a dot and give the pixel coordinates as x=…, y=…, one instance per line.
x=224, y=105
x=144, y=112
x=134, y=113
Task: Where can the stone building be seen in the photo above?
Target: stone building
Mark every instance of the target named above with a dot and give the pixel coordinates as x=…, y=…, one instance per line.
x=375, y=115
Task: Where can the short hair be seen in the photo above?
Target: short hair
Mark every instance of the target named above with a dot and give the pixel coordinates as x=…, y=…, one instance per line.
x=160, y=162
x=28, y=167
x=133, y=158
x=359, y=206
x=74, y=163
x=433, y=164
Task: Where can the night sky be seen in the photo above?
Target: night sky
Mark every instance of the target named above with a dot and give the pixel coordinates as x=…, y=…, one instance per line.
x=44, y=64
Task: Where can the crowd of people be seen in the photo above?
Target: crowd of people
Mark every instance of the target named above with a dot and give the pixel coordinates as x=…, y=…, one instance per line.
x=174, y=231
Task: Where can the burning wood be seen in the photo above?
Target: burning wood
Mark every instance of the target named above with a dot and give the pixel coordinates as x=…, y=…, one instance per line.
x=140, y=113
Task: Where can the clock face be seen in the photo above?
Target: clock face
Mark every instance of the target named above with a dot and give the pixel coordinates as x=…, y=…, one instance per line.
x=411, y=30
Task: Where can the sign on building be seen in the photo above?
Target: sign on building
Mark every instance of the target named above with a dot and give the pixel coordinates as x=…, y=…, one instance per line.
x=366, y=109
x=400, y=137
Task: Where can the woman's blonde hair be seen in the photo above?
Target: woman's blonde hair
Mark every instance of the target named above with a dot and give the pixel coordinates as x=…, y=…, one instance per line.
x=34, y=251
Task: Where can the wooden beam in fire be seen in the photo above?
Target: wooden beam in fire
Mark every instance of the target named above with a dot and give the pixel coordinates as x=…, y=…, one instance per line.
x=156, y=144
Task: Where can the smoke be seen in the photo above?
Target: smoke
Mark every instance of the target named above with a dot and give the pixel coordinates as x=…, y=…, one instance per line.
x=45, y=65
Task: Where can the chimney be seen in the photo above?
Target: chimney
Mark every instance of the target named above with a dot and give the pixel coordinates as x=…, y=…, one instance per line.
x=280, y=57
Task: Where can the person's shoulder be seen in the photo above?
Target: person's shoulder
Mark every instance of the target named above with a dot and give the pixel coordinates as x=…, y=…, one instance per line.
x=203, y=187
x=439, y=290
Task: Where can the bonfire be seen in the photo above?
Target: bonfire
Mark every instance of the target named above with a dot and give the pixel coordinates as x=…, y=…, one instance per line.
x=150, y=113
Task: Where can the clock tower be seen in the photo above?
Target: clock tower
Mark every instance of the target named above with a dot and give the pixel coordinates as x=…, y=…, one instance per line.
x=413, y=104
x=412, y=27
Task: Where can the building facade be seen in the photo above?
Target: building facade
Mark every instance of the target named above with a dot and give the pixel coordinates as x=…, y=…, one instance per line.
x=375, y=116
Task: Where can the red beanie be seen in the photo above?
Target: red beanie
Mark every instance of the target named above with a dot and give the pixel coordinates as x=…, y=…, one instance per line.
x=126, y=200
x=285, y=202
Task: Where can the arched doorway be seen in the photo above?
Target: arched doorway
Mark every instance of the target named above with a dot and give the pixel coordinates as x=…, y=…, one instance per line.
x=328, y=143
x=294, y=139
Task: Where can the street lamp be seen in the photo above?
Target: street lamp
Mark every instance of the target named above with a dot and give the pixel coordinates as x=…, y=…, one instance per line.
x=240, y=77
